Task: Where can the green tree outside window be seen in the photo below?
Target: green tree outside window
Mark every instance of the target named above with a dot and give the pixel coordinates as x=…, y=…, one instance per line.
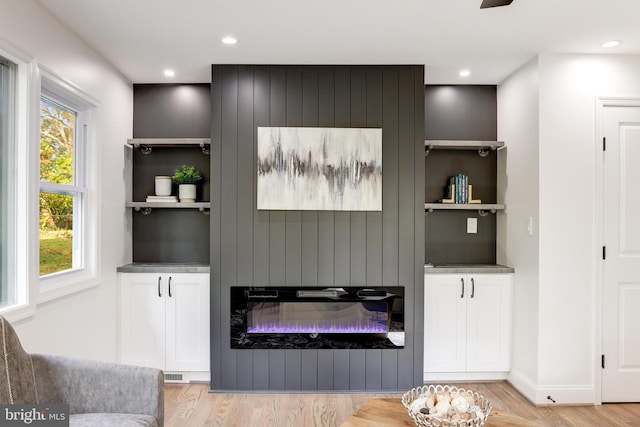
x=57, y=136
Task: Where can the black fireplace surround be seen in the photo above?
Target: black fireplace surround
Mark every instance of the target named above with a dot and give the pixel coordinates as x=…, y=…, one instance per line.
x=286, y=317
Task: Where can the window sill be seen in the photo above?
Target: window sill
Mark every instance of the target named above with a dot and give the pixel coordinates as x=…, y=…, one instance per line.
x=52, y=288
x=16, y=312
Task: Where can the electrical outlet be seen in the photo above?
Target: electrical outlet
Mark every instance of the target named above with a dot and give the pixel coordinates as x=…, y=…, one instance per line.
x=472, y=225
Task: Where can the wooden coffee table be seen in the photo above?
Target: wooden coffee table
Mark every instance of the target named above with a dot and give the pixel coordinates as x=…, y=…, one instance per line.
x=392, y=413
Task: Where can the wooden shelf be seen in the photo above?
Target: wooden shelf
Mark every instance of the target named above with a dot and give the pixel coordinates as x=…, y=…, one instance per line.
x=483, y=147
x=483, y=207
x=146, y=144
x=441, y=144
x=169, y=142
x=146, y=207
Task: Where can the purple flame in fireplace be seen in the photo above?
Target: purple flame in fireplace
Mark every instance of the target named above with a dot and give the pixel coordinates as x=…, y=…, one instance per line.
x=374, y=328
x=317, y=317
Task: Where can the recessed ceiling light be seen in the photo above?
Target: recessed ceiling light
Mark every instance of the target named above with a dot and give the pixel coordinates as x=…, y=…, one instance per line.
x=465, y=73
x=611, y=43
x=229, y=40
x=169, y=73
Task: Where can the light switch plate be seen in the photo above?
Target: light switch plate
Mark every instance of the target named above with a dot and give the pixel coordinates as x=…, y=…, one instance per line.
x=472, y=225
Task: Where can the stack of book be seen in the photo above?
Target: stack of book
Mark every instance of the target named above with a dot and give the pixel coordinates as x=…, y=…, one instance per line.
x=162, y=199
x=459, y=190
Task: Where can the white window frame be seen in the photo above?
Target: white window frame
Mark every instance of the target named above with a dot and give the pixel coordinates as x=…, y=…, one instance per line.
x=8, y=83
x=23, y=245
x=24, y=133
x=86, y=216
x=76, y=189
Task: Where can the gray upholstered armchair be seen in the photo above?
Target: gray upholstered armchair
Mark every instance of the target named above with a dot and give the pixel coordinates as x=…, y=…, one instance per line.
x=99, y=394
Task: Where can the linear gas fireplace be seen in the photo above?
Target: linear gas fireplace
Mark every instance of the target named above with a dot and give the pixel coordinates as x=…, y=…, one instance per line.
x=317, y=317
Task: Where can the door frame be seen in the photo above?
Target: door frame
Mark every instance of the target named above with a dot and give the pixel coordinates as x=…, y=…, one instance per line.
x=602, y=102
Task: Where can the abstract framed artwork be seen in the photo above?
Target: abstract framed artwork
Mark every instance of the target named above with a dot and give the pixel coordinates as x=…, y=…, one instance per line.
x=335, y=169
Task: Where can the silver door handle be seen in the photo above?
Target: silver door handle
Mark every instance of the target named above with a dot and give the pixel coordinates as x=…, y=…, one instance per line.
x=462, y=287
x=473, y=287
x=159, y=291
x=170, y=296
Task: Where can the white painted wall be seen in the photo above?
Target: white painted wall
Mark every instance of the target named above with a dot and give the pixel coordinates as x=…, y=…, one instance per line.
x=84, y=324
x=569, y=248
x=518, y=176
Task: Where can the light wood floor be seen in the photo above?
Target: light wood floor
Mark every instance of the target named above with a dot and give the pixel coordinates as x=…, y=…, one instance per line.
x=191, y=405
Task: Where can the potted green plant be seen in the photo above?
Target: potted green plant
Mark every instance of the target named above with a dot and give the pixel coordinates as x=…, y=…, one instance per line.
x=186, y=177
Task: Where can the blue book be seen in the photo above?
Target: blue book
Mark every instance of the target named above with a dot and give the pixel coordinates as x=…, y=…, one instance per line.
x=465, y=183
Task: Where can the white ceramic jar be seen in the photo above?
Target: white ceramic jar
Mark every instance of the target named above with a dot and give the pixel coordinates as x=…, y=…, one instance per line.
x=163, y=185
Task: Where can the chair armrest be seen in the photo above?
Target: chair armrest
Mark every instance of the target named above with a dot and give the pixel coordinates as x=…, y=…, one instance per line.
x=89, y=386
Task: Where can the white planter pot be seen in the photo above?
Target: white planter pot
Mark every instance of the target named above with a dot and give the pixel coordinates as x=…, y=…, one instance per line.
x=163, y=185
x=187, y=193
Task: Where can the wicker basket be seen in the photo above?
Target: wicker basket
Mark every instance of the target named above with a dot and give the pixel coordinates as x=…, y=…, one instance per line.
x=423, y=420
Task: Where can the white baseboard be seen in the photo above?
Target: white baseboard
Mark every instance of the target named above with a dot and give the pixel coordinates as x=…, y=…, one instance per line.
x=447, y=377
x=547, y=394
x=523, y=384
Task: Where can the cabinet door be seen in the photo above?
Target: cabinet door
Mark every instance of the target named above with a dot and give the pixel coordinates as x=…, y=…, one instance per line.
x=489, y=323
x=143, y=319
x=445, y=323
x=187, y=322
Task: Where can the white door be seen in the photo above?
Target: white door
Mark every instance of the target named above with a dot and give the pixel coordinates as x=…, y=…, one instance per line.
x=187, y=322
x=621, y=268
x=143, y=319
x=445, y=319
x=489, y=323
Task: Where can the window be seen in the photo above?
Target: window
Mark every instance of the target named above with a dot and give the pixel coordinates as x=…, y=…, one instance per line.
x=62, y=112
x=7, y=289
x=18, y=78
x=61, y=188
x=67, y=214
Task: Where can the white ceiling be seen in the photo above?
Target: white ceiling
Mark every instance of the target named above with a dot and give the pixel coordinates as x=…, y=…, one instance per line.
x=143, y=37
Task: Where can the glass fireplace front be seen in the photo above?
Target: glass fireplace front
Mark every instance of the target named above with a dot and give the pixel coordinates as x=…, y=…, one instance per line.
x=347, y=317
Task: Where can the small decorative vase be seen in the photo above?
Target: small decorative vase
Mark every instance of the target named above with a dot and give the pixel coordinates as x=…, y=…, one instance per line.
x=187, y=193
x=163, y=185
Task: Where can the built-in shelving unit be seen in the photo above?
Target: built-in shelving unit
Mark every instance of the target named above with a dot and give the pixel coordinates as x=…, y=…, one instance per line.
x=146, y=145
x=484, y=148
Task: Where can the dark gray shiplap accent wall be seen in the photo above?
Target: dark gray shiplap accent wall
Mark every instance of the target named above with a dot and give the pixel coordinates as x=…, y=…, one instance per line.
x=251, y=247
x=170, y=111
x=460, y=113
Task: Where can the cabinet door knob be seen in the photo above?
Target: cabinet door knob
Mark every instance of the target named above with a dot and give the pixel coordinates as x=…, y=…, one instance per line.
x=462, y=287
x=473, y=287
x=170, y=296
x=159, y=291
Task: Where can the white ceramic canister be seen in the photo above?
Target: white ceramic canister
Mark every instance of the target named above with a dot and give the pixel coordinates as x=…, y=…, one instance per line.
x=163, y=185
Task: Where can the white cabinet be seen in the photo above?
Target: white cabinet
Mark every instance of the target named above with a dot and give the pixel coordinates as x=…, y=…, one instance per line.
x=467, y=324
x=165, y=323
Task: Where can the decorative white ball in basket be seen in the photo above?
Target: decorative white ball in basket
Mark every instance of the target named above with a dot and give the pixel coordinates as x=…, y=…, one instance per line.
x=452, y=400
